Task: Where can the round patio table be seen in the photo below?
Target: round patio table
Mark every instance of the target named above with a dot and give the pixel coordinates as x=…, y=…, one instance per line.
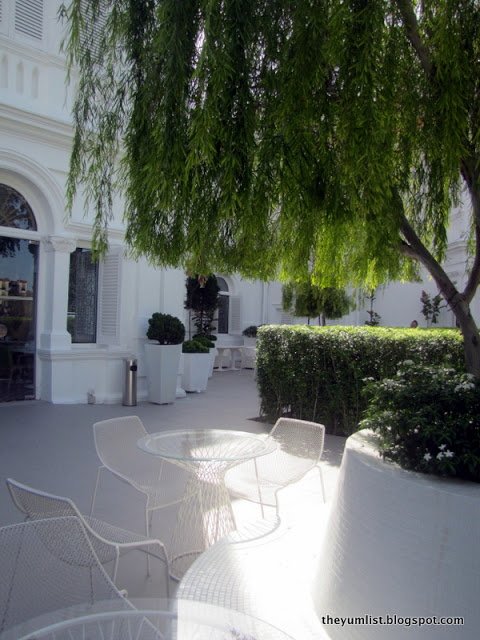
x=163, y=620
x=205, y=514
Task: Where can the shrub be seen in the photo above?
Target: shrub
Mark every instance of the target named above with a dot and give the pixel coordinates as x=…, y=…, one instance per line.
x=204, y=340
x=166, y=329
x=194, y=346
x=250, y=332
x=428, y=419
x=317, y=373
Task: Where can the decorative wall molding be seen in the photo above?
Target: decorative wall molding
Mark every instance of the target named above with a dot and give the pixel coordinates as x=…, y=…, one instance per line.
x=60, y=244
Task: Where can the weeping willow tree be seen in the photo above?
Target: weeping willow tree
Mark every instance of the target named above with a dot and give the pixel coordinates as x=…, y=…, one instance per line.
x=274, y=138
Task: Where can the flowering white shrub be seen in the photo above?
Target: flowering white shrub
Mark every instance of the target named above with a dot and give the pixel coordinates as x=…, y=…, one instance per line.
x=428, y=419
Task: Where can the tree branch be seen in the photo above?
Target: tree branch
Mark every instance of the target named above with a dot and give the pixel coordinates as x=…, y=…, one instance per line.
x=474, y=276
x=414, y=248
x=412, y=32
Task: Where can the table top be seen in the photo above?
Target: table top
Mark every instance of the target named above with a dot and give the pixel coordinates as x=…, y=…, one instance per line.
x=202, y=445
x=162, y=620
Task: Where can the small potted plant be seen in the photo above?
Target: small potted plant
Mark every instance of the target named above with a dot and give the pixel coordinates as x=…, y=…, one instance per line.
x=250, y=336
x=208, y=341
x=196, y=365
x=162, y=356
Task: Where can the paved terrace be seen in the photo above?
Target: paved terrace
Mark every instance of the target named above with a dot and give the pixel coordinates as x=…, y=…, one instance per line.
x=51, y=447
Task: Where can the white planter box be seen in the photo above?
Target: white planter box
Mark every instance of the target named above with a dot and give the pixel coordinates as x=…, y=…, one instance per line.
x=398, y=543
x=162, y=367
x=196, y=367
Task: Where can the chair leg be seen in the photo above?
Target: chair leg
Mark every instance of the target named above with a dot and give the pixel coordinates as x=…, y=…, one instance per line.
x=167, y=578
x=115, y=566
x=322, y=482
x=95, y=490
x=259, y=488
x=147, y=532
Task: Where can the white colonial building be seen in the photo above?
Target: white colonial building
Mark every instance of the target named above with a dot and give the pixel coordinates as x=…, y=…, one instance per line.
x=67, y=324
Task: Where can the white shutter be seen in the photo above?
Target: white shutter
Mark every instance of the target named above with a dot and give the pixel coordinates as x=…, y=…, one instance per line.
x=93, y=43
x=235, y=320
x=29, y=18
x=108, y=324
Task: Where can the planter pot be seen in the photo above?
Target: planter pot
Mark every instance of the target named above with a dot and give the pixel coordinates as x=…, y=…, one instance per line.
x=162, y=367
x=398, y=543
x=196, y=367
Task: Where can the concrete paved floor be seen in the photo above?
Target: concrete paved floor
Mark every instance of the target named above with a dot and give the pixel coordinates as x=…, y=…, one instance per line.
x=51, y=447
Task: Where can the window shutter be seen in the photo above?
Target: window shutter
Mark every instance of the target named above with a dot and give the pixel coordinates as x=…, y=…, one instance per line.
x=235, y=324
x=98, y=20
x=108, y=326
x=29, y=18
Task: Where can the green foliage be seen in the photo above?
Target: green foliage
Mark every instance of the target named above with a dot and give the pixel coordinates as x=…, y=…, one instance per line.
x=194, y=346
x=264, y=136
x=431, y=307
x=204, y=340
x=166, y=329
x=250, y=332
x=373, y=317
x=211, y=337
x=276, y=138
x=318, y=373
x=304, y=299
x=428, y=419
x=202, y=299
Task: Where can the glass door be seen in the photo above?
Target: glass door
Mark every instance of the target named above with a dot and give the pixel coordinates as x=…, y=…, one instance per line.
x=18, y=269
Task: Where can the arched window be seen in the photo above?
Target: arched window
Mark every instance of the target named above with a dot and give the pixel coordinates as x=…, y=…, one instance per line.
x=15, y=211
x=223, y=305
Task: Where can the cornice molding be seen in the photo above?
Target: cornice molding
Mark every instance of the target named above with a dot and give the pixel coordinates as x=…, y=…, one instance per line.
x=34, y=54
x=35, y=126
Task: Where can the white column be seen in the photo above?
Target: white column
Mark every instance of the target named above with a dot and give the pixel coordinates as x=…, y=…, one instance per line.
x=57, y=266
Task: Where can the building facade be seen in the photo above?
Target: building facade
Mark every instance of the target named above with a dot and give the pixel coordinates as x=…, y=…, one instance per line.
x=66, y=323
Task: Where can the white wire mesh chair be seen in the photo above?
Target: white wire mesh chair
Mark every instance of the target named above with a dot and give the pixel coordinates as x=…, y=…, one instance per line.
x=48, y=569
x=300, y=448
x=108, y=541
x=116, y=446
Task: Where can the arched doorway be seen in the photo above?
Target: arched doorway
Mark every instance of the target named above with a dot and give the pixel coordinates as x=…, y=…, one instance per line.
x=18, y=286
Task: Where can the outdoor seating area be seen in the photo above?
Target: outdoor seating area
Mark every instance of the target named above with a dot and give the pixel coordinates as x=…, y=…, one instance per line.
x=163, y=487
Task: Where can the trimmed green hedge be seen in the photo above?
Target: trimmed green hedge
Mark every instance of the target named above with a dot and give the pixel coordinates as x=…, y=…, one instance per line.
x=318, y=373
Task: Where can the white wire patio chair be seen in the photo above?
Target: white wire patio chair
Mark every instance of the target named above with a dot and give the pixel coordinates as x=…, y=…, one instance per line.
x=162, y=483
x=107, y=540
x=300, y=448
x=50, y=571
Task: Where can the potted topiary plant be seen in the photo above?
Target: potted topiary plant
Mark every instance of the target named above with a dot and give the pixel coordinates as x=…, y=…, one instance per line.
x=162, y=356
x=250, y=336
x=208, y=341
x=196, y=365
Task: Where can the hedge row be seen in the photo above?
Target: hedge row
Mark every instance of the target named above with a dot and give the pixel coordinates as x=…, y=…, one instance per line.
x=318, y=373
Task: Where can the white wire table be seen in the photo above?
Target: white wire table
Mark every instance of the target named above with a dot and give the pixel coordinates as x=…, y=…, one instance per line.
x=205, y=514
x=163, y=620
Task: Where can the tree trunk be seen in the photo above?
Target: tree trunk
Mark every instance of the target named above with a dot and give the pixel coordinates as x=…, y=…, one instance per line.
x=457, y=301
x=471, y=337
